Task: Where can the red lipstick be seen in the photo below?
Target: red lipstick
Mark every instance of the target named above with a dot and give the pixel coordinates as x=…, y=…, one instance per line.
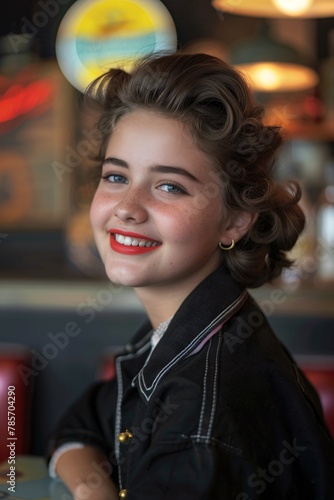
x=130, y=250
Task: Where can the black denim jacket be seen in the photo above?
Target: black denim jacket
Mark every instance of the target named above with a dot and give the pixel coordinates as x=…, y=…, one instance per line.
x=218, y=410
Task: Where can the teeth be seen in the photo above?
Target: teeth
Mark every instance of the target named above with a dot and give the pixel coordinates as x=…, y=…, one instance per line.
x=127, y=241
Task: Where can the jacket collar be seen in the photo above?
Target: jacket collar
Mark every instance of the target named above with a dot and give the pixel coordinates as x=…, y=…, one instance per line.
x=200, y=316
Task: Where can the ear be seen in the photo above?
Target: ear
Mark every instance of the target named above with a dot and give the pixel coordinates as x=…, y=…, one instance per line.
x=237, y=226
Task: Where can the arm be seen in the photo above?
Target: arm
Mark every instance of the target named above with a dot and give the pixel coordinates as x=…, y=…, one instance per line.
x=86, y=472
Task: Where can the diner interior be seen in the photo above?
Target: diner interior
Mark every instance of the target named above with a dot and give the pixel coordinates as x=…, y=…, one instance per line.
x=61, y=321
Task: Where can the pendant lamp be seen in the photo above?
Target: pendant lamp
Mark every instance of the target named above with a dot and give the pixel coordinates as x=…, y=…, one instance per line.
x=277, y=8
x=271, y=65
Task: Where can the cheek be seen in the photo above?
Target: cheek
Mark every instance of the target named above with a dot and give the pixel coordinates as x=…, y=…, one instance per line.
x=93, y=212
x=203, y=212
x=173, y=223
x=189, y=228
x=98, y=210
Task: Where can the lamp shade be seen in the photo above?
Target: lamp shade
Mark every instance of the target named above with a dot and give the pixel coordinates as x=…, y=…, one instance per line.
x=272, y=65
x=277, y=8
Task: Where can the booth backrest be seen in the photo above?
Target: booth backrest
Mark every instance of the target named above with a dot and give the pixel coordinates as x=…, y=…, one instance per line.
x=15, y=401
x=320, y=372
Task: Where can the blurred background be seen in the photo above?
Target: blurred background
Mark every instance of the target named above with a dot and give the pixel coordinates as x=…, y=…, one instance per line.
x=54, y=298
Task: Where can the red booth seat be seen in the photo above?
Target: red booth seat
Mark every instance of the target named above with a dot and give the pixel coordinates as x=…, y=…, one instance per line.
x=15, y=397
x=106, y=370
x=320, y=372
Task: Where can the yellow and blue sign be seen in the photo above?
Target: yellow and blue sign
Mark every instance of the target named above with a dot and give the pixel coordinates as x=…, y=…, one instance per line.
x=96, y=35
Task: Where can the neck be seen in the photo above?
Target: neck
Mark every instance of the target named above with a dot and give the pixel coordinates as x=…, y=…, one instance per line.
x=160, y=303
x=158, y=306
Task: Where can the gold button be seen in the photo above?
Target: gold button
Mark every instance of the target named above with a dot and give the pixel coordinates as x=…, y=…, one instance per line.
x=122, y=494
x=125, y=436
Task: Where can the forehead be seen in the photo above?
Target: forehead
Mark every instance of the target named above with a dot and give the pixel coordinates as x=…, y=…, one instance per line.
x=141, y=122
x=150, y=136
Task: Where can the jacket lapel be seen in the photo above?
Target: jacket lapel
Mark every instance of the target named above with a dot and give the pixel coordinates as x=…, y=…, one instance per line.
x=199, y=317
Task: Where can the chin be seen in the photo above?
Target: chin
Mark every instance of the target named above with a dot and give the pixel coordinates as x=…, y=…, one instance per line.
x=125, y=279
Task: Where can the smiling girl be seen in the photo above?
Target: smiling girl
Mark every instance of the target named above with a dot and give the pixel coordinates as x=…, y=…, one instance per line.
x=206, y=402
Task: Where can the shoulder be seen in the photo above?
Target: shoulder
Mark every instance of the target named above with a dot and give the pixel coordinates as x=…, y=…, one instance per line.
x=254, y=361
x=242, y=379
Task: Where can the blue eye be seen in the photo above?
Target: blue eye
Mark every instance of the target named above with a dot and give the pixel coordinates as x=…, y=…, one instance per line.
x=115, y=178
x=170, y=187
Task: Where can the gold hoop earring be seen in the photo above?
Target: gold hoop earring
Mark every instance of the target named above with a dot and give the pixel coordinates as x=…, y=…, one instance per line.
x=221, y=246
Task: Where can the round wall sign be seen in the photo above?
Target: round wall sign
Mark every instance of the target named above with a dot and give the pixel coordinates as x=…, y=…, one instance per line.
x=96, y=35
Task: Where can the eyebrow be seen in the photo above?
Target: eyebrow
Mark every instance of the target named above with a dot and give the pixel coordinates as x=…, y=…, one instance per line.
x=168, y=169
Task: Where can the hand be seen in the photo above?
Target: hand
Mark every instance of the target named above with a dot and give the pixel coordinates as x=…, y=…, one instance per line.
x=83, y=473
x=107, y=491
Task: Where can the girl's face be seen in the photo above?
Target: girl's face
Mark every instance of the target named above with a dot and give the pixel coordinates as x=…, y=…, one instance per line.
x=157, y=214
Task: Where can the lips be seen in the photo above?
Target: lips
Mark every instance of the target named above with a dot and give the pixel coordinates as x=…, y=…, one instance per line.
x=131, y=243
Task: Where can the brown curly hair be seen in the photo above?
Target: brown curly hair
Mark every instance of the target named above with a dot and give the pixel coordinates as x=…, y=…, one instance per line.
x=215, y=102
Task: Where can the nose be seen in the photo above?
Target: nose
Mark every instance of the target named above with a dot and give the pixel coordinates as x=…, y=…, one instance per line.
x=132, y=207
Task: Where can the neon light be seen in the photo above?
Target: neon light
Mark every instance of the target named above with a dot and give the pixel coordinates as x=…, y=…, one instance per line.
x=19, y=100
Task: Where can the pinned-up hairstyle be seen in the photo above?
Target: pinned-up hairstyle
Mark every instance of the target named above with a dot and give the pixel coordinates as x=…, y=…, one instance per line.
x=215, y=103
